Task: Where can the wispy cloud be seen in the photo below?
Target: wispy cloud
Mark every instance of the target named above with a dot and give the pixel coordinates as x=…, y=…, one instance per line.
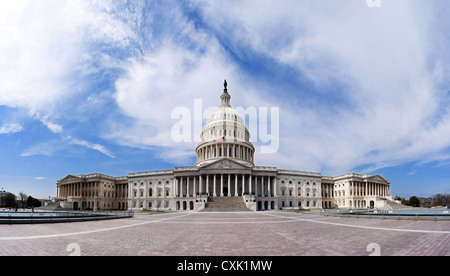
x=375, y=100
x=10, y=128
x=49, y=56
x=43, y=148
x=367, y=88
x=86, y=144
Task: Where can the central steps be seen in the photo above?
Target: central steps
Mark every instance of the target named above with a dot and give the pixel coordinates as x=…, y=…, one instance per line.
x=226, y=203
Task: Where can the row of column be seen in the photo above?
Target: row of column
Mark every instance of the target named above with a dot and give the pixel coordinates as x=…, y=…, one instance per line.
x=327, y=190
x=89, y=189
x=76, y=189
x=368, y=189
x=224, y=150
x=225, y=185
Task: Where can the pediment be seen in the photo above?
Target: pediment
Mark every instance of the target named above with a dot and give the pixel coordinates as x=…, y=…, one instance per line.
x=378, y=178
x=226, y=164
x=69, y=177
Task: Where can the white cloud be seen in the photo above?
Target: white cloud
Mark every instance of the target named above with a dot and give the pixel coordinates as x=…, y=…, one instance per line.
x=10, y=128
x=44, y=148
x=97, y=147
x=47, y=54
x=378, y=65
x=166, y=76
x=376, y=61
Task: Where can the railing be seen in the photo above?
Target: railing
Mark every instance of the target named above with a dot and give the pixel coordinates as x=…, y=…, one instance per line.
x=59, y=217
x=388, y=214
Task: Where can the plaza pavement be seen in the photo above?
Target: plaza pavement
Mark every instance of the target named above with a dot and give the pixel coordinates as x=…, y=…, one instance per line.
x=270, y=233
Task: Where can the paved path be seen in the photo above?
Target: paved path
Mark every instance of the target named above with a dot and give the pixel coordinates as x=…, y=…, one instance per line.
x=225, y=234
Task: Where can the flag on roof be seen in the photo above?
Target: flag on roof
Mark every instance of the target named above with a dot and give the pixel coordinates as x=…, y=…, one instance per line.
x=221, y=140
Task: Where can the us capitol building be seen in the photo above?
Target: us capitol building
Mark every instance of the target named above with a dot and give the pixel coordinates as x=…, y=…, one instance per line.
x=224, y=177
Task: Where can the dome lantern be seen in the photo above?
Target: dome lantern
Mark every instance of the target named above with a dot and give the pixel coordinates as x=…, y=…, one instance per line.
x=225, y=97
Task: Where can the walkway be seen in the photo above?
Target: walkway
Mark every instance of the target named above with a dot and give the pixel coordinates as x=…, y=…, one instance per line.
x=229, y=233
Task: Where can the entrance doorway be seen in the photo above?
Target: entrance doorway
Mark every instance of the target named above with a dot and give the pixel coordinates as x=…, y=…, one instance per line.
x=225, y=191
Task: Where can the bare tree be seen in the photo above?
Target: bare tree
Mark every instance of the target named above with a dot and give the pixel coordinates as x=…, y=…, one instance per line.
x=22, y=200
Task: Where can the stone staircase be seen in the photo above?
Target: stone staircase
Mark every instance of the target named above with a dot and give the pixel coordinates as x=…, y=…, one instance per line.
x=394, y=205
x=227, y=203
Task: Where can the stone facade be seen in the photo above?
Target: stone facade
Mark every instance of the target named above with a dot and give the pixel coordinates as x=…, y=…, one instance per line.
x=93, y=192
x=361, y=191
x=224, y=168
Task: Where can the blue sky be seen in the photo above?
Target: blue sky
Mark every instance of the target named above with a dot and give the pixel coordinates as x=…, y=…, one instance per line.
x=89, y=86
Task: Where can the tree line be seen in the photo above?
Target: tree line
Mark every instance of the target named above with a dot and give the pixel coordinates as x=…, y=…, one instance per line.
x=22, y=201
x=427, y=202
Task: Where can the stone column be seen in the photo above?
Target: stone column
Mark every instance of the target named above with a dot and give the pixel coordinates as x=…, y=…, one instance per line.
x=263, y=190
x=221, y=184
x=188, y=192
x=243, y=185
x=275, y=187
x=181, y=187
x=236, y=185
x=195, y=190
x=250, y=184
x=229, y=184
x=269, y=189
x=214, y=185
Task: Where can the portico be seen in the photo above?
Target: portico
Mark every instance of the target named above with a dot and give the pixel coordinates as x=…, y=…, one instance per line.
x=224, y=184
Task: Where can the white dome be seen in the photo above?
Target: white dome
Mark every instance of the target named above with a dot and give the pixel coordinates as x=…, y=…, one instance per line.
x=225, y=118
x=225, y=114
x=225, y=136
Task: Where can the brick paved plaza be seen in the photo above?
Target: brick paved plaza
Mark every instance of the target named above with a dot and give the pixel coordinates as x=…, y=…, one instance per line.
x=226, y=233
